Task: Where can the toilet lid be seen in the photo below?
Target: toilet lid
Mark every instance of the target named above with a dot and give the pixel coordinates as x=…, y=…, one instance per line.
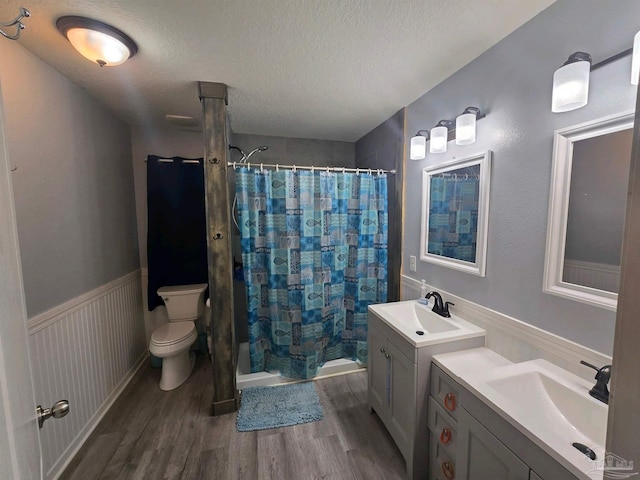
x=171, y=333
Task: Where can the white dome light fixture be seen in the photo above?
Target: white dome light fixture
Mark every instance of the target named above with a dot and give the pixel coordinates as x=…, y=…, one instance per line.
x=571, y=83
x=98, y=42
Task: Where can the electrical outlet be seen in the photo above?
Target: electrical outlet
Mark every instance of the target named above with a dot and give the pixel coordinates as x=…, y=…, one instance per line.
x=412, y=263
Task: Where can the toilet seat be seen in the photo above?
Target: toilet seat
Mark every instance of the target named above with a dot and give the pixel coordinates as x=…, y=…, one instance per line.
x=173, y=333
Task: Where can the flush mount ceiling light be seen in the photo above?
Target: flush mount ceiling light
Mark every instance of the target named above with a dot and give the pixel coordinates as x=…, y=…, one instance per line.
x=101, y=43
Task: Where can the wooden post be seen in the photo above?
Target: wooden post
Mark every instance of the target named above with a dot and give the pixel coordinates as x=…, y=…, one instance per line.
x=219, y=243
x=623, y=426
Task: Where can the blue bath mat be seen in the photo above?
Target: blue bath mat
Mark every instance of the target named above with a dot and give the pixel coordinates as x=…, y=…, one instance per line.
x=262, y=408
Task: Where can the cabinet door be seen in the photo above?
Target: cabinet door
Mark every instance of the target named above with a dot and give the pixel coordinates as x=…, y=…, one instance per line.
x=378, y=373
x=482, y=456
x=402, y=407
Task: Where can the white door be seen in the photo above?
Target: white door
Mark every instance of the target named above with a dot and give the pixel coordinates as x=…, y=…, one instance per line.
x=19, y=437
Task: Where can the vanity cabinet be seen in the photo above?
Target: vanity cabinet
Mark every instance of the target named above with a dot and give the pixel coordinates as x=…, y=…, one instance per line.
x=398, y=389
x=482, y=455
x=481, y=444
x=392, y=388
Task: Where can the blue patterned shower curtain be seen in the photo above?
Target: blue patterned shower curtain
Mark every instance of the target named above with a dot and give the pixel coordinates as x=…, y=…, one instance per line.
x=314, y=248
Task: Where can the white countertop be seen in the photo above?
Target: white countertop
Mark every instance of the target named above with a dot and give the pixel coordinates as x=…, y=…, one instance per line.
x=479, y=370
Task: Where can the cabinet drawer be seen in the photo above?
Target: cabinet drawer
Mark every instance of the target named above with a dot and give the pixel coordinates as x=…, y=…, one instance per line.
x=441, y=465
x=445, y=391
x=443, y=428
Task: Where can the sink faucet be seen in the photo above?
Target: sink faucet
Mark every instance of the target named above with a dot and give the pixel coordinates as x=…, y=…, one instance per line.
x=600, y=390
x=438, y=307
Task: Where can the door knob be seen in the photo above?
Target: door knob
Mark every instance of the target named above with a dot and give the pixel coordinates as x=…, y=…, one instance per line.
x=58, y=410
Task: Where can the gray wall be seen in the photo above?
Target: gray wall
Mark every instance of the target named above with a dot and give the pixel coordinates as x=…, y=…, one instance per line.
x=383, y=147
x=512, y=83
x=73, y=187
x=296, y=151
x=598, y=197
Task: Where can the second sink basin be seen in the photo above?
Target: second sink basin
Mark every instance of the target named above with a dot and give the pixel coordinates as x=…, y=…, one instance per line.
x=552, y=403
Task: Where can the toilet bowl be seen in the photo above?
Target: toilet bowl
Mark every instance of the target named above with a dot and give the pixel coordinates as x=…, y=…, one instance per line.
x=172, y=341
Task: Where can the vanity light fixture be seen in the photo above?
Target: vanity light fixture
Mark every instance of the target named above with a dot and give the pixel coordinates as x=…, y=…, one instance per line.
x=418, y=148
x=466, y=126
x=635, y=60
x=571, y=83
x=101, y=43
x=463, y=130
x=440, y=136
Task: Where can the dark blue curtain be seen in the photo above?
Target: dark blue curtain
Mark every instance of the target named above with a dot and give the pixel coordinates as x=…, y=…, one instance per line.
x=176, y=237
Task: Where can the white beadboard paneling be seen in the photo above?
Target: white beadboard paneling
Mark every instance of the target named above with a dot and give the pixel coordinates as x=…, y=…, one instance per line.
x=86, y=351
x=516, y=340
x=596, y=275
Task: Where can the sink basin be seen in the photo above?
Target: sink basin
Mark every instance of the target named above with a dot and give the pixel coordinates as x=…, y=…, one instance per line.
x=420, y=326
x=418, y=317
x=551, y=403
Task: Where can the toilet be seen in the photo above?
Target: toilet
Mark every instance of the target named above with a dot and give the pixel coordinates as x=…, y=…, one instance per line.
x=172, y=341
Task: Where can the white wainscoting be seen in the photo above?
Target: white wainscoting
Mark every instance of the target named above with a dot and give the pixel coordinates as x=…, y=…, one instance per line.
x=85, y=351
x=516, y=340
x=595, y=275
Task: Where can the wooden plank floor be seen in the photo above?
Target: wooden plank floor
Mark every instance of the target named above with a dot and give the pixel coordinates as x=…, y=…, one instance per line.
x=150, y=434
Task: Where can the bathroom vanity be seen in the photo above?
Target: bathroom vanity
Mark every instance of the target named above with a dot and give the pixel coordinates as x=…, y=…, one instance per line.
x=490, y=418
x=403, y=337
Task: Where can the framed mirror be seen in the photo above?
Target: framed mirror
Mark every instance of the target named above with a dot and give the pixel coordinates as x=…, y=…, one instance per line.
x=455, y=209
x=587, y=206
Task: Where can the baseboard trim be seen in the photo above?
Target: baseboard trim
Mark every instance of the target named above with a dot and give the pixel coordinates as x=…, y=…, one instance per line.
x=62, y=311
x=74, y=447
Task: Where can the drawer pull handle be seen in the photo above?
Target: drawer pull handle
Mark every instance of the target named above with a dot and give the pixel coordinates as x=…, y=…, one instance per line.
x=445, y=436
x=382, y=350
x=450, y=402
x=447, y=470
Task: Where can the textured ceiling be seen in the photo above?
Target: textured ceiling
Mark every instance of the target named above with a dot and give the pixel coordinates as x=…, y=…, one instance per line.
x=326, y=69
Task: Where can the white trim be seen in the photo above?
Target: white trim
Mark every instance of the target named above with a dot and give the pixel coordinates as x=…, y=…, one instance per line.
x=62, y=311
x=514, y=339
x=559, y=203
x=479, y=266
x=82, y=436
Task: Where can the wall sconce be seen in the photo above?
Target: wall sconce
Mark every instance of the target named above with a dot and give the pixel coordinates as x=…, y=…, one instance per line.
x=463, y=130
x=418, y=148
x=440, y=136
x=101, y=43
x=571, y=81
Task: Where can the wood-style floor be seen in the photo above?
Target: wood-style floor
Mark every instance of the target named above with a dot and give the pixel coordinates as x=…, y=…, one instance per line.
x=150, y=434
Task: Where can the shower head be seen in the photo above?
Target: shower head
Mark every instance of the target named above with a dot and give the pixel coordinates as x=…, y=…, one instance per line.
x=255, y=150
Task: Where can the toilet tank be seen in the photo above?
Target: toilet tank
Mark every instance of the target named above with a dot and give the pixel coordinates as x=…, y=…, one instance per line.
x=183, y=302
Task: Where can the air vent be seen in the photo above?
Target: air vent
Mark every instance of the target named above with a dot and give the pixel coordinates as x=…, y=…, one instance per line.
x=181, y=121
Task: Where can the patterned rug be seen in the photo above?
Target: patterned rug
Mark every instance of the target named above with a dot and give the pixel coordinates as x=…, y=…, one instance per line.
x=262, y=408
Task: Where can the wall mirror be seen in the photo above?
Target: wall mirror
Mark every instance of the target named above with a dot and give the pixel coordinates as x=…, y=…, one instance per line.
x=587, y=206
x=455, y=209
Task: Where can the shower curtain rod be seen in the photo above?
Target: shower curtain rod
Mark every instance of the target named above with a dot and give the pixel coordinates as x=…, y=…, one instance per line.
x=277, y=166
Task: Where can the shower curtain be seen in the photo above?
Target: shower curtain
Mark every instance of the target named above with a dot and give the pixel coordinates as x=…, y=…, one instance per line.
x=314, y=247
x=177, y=234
